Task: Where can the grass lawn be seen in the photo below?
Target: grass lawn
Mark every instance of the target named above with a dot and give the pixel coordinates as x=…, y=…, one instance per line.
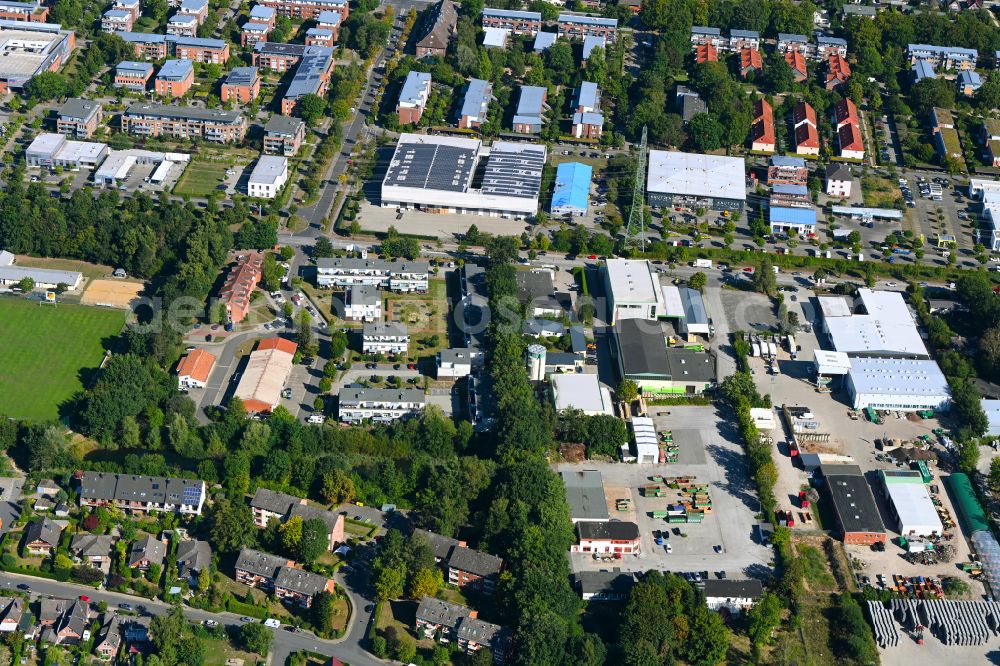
x=201, y=178
x=46, y=350
x=218, y=650
x=817, y=567
x=807, y=641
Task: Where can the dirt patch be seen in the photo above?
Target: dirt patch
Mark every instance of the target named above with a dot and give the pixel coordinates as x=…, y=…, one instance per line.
x=111, y=293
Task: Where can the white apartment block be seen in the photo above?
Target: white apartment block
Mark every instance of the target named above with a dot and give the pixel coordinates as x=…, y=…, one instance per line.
x=363, y=303
x=385, y=338
x=268, y=177
x=379, y=405
x=400, y=276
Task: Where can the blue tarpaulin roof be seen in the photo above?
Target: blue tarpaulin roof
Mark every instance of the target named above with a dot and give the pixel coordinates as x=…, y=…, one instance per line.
x=786, y=215
x=572, y=191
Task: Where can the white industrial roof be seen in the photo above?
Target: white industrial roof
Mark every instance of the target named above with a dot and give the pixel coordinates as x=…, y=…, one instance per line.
x=81, y=151
x=692, y=174
x=674, y=306
x=898, y=377
x=888, y=328
x=915, y=509
x=269, y=169
x=265, y=376
x=583, y=392
x=46, y=144
x=834, y=306
x=633, y=281
x=831, y=362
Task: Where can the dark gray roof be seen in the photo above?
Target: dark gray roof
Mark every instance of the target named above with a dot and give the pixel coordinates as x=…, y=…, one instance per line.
x=78, y=109
x=147, y=110
x=688, y=365
x=43, y=531
x=242, y=76
x=297, y=580
x=310, y=74
x=111, y=631
x=306, y=512
x=838, y=171
x=362, y=294
x=148, y=548
x=853, y=503
x=533, y=285
x=479, y=631
x=280, y=48
x=643, y=349
x=540, y=326
x=585, y=494
x=75, y=618
x=283, y=125
x=514, y=170
x=592, y=529
x=561, y=358
x=386, y=328
x=193, y=556
x=11, y=608
x=730, y=588
x=357, y=264
x=431, y=166
x=578, y=338
x=606, y=582
x=260, y=564
x=440, y=25
x=475, y=562
x=441, y=612
x=440, y=545
x=273, y=501
x=91, y=545
x=353, y=396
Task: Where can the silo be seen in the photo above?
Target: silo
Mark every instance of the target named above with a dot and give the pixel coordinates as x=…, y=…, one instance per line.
x=536, y=363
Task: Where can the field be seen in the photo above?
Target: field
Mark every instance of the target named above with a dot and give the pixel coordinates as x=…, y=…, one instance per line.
x=46, y=350
x=201, y=178
x=111, y=293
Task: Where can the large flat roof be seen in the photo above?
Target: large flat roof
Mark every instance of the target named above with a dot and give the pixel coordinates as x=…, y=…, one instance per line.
x=633, y=281
x=27, y=49
x=691, y=174
x=854, y=503
x=585, y=494
x=898, y=376
x=572, y=189
x=888, y=328
x=269, y=169
x=914, y=507
x=189, y=112
x=514, y=170
x=643, y=348
x=583, y=392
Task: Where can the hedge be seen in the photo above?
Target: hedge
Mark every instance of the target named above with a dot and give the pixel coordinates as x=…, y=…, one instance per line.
x=241, y=608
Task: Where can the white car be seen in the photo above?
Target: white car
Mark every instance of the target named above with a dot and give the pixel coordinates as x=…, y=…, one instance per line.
x=315, y=418
x=271, y=622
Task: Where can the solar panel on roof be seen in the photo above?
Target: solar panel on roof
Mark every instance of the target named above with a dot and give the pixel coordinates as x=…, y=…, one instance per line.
x=192, y=494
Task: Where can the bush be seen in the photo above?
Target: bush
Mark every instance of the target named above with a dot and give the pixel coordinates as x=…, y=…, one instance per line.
x=249, y=610
x=379, y=647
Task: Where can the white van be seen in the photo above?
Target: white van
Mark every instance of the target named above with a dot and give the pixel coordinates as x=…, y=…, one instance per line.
x=315, y=418
x=271, y=622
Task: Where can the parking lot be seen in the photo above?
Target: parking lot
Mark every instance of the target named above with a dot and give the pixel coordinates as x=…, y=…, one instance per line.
x=709, y=452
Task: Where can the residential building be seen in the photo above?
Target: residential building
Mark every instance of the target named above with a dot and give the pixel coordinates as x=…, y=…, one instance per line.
x=277, y=574
x=604, y=585
x=588, y=125
x=197, y=49
x=175, y=78
x=79, y=118
x=65, y=622
x=330, y=20
x=258, y=569
x=632, y=289
x=41, y=537
x=109, y=638
x=457, y=362
x=790, y=42
x=312, y=77
x=790, y=195
x=735, y=596
x=146, y=551
x=152, y=120
x=31, y=12
x=132, y=6
x=239, y=285
x=194, y=369
x=475, y=104
x=792, y=220
x=762, y=137
x=133, y=75
x=744, y=39
x=528, y=118
x=379, y=405
x=321, y=37
x=308, y=9
x=750, y=62
x=643, y=356
x=334, y=522
x=544, y=40
x=183, y=25
x=797, y=62
x=363, y=303
x=413, y=97
x=11, y=613
x=578, y=26
x=705, y=53
x=438, y=29
x=195, y=8
x=617, y=538
x=398, y=275
x=591, y=42
x=30, y=49
x=253, y=33
x=707, y=35
x=783, y=170
x=839, y=180
x=571, y=195
x=806, y=134
x=677, y=179
x=264, y=15
x=283, y=135
x=969, y=82
x=472, y=569
x=849, y=141
x=147, y=46
x=114, y=20
x=385, y=338
x=857, y=516
x=277, y=56
x=241, y=86
x=447, y=622
x=827, y=46
x=837, y=71
x=266, y=374
x=132, y=492
x=990, y=139
x=94, y=550
x=689, y=104
x=269, y=175
x=518, y=22
x=859, y=10
x=923, y=70
x=267, y=504
x=944, y=57
x=193, y=557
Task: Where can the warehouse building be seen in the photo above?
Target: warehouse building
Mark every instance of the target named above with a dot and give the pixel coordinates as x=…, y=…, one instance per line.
x=686, y=308
x=910, y=504
x=580, y=392
x=436, y=174
x=884, y=328
x=793, y=221
x=29, y=49
x=633, y=291
x=643, y=356
x=686, y=179
x=265, y=375
x=52, y=150
x=897, y=383
x=857, y=515
x=44, y=278
x=585, y=495
x=572, y=190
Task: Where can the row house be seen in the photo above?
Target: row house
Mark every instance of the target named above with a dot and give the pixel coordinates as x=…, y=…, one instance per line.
x=281, y=576
x=79, y=118
x=701, y=34
x=439, y=28
x=362, y=303
x=413, y=98
x=737, y=40
x=447, y=622
x=837, y=72
x=276, y=56
x=133, y=76
x=744, y=39
x=517, y=22
x=184, y=122
x=806, y=132
x=531, y=106
x=308, y=9
x=242, y=280
x=751, y=62
x=943, y=57
x=312, y=77
x=379, y=405
x=242, y=85
x=174, y=79
x=830, y=46
x=797, y=63
x=475, y=104
x=946, y=141
x=762, y=137
x=31, y=12
x=613, y=538
x=847, y=127
x=790, y=42
x=267, y=504
x=64, y=621
x=133, y=492
x=117, y=20
x=283, y=135
x=588, y=122
x=400, y=276
x=389, y=337
x=182, y=25
x=133, y=7
x=578, y=26
x=705, y=53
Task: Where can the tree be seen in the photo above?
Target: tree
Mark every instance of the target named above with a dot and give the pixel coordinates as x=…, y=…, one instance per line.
x=26, y=284
x=425, y=583
x=323, y=248
x=291, y=534
x=322, y=611
x=338, y=487
x=708, y=638
x=204, y=579
x=389, y=583
x=256, y=638
x=706, y=132
x=968, y=456
x=763, y=617
x=698, y=281
x=627, y=391
x=47, y=86
x=764, y=279
x=315, y=540
x=232, y=526
x=311, y=108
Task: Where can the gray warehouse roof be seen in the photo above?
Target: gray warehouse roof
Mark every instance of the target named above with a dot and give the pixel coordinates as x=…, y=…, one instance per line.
x=585, y=495
x=691, y=174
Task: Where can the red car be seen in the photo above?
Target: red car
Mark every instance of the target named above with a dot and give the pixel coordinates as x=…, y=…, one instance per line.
x=748, y=269
x=84, y=598
x=593, y=256
x=411, y=366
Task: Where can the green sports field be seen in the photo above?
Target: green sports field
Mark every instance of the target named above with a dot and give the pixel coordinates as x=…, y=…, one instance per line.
x=43, y=348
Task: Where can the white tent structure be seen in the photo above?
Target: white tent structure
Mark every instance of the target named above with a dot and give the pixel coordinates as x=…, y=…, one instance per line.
x=647, y=447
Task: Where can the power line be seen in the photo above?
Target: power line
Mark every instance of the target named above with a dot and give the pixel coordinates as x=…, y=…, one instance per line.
x=636, y=220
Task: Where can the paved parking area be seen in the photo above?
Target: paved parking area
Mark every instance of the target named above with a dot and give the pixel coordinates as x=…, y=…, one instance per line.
x=709, y=452
x=746, y=310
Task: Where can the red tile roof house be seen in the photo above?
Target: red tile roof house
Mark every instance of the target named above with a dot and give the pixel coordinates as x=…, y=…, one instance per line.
x=194, y=369
x=806, y=135
x=240, y=284
x=750, y=62
x=797, y=62
x=850, y=143
x=837, y=72
x=41, y=537
x=706, y=53
x=762, y=129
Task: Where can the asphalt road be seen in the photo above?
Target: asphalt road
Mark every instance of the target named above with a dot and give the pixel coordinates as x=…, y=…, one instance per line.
x=285, y=642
